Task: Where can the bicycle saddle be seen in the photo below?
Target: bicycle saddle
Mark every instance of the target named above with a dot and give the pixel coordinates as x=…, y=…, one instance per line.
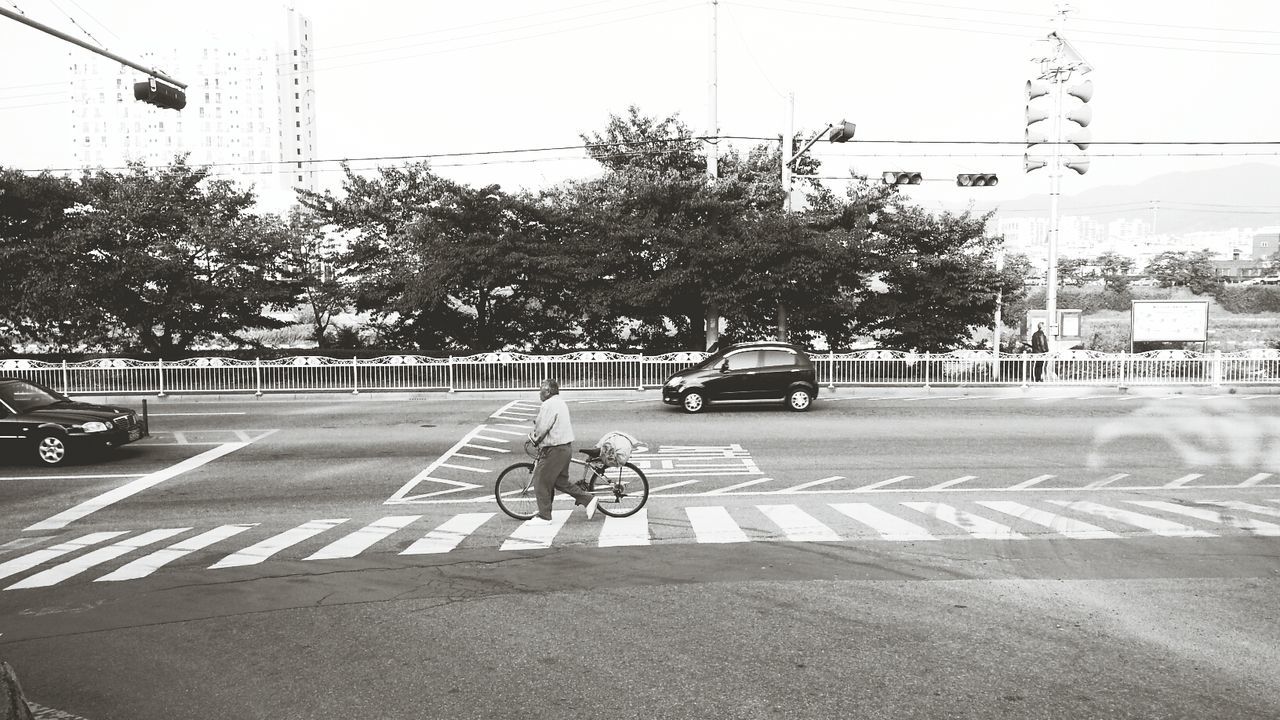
x=591, y=452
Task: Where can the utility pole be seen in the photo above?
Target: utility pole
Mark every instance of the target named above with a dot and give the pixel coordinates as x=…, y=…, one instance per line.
x=711, y=322
x=152, y=72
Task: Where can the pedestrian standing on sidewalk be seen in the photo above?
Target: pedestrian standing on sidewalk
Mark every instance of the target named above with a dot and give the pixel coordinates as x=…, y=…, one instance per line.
x=553, y=436
x=1039, y=344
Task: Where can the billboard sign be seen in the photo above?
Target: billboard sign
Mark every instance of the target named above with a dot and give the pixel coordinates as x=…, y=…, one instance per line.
x=1170, y=321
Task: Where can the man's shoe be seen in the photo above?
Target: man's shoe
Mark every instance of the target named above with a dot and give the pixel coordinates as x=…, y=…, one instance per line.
x=591, y=507
x=535, y=520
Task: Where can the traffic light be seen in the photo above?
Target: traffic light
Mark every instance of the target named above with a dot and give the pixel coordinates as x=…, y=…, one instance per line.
x=977, y=180
x=841, y=132
x=900, y=177
x=159, y=94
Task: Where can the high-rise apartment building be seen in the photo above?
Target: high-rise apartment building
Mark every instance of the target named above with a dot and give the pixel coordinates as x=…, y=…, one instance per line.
x=250, y=113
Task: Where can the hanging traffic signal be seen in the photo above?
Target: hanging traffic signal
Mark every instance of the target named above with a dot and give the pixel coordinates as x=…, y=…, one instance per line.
x=842, y=132
x=159, y=94
x=977, y=180
x=900, y=177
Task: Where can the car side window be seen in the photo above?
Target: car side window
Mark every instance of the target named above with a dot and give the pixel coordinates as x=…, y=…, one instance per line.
x=775, y=358
x=744, y=360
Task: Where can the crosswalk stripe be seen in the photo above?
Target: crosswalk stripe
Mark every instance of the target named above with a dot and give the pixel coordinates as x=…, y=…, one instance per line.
x=1033, y=481
x=1254, y=480
x=630, y=530
x=890, y=526
x=1247, y=507
x=811, y=483
x=39, y=557
x=1165, y=528
x=739, y=486
x=255, y=554
x=975, y=525
x=713, y=524
x=948, y=483
x=798, y=525
x=148, y=564
x=1179, y=482
x=71, y=568
x=1070, y=527
x=1105, y=481
x=450, y=533
x=533, y=535
x=362, y=539
x=1256, y=527
x=882, y=483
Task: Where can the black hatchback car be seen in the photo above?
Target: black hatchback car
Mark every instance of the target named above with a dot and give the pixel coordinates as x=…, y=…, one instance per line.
x=749, y=371
x=50, y=427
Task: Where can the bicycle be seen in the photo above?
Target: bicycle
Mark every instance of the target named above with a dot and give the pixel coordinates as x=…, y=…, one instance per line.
x=621, y=490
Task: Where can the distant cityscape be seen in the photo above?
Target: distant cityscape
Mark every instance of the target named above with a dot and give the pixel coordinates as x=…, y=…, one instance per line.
x=1237, y=252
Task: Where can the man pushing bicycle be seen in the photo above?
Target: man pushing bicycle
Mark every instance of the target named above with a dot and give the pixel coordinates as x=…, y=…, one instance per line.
x=553, y=436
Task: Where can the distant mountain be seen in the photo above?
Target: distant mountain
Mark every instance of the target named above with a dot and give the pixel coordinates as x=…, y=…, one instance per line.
x=1245, y=195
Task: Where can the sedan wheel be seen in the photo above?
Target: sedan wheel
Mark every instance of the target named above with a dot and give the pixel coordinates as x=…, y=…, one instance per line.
x=694, y=402
x=799, y=400
x=51, y=450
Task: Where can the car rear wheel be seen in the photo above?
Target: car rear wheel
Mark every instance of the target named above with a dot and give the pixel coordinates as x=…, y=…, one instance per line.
x=51, y=449
x=799, y=400
x=693, y=402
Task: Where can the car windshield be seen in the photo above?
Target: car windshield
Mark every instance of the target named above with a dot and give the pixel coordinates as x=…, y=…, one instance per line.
x=710, y=361
x=23, y=396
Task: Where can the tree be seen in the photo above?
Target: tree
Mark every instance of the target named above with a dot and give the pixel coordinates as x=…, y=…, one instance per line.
x=1116, y=270
x=39, y=302
x=1071, y=271
x=1181, y=268
x=320, y=266
x=171, y=258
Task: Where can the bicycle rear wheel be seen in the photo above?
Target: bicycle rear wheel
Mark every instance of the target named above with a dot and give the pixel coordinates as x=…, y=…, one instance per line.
x=515, y=493
x=622, y=491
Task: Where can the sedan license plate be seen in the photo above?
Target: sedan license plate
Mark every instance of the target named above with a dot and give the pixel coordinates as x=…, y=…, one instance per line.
x=135, y=434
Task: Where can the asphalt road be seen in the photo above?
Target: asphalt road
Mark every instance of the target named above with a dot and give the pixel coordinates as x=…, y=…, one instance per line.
x=956, y=553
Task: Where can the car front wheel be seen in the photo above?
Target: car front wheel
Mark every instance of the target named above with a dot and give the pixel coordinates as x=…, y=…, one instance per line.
x=693, y=402
x=799, y=400
x=51, y=449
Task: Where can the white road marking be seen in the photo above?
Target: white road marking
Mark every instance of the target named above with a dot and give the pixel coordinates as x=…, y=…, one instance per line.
x=630, y=530
x=713, y=524
x=954, y=481
x=506, y=432
x=653, y=490
x=32, y=559
x=22, y=543
x=485, y=447
x=90, y=506
x=731, y=488
x=798, y=525
x=148, y=564
x=882, y=483
x=1105, y=481
x=533, y=535
x=486, y=438
x=471, y=457
x=1257, y=527
x=1248, y=507
x=362, y=539
x=1158, y=526
x=71, y=568
x=187, y=414
x=448, y=535
x=1255, y=480
x=1182, y=480
x=811, y=483
x=73, y=477
x=1033, y=481
x=975, y=525
x=1069, y=527
x=255, y=554
x=890, y=526
x=464, y=467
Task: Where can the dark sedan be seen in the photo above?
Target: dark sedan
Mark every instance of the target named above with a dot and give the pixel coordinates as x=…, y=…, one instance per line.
x=49, y=427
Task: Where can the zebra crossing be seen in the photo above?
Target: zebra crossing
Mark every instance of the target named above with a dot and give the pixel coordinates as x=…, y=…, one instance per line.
x=906, y=521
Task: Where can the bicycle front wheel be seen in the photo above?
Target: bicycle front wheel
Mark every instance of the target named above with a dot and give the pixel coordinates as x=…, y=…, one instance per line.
x=515, y=493
x=622, y=491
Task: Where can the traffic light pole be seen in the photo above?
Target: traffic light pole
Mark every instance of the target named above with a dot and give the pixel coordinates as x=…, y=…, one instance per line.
x=1055, y=190
x=87, y=46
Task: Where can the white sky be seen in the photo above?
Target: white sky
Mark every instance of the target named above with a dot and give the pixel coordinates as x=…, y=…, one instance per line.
x=431, y=77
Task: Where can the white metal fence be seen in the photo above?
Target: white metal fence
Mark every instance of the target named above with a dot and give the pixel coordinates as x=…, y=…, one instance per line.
x=606, y=370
